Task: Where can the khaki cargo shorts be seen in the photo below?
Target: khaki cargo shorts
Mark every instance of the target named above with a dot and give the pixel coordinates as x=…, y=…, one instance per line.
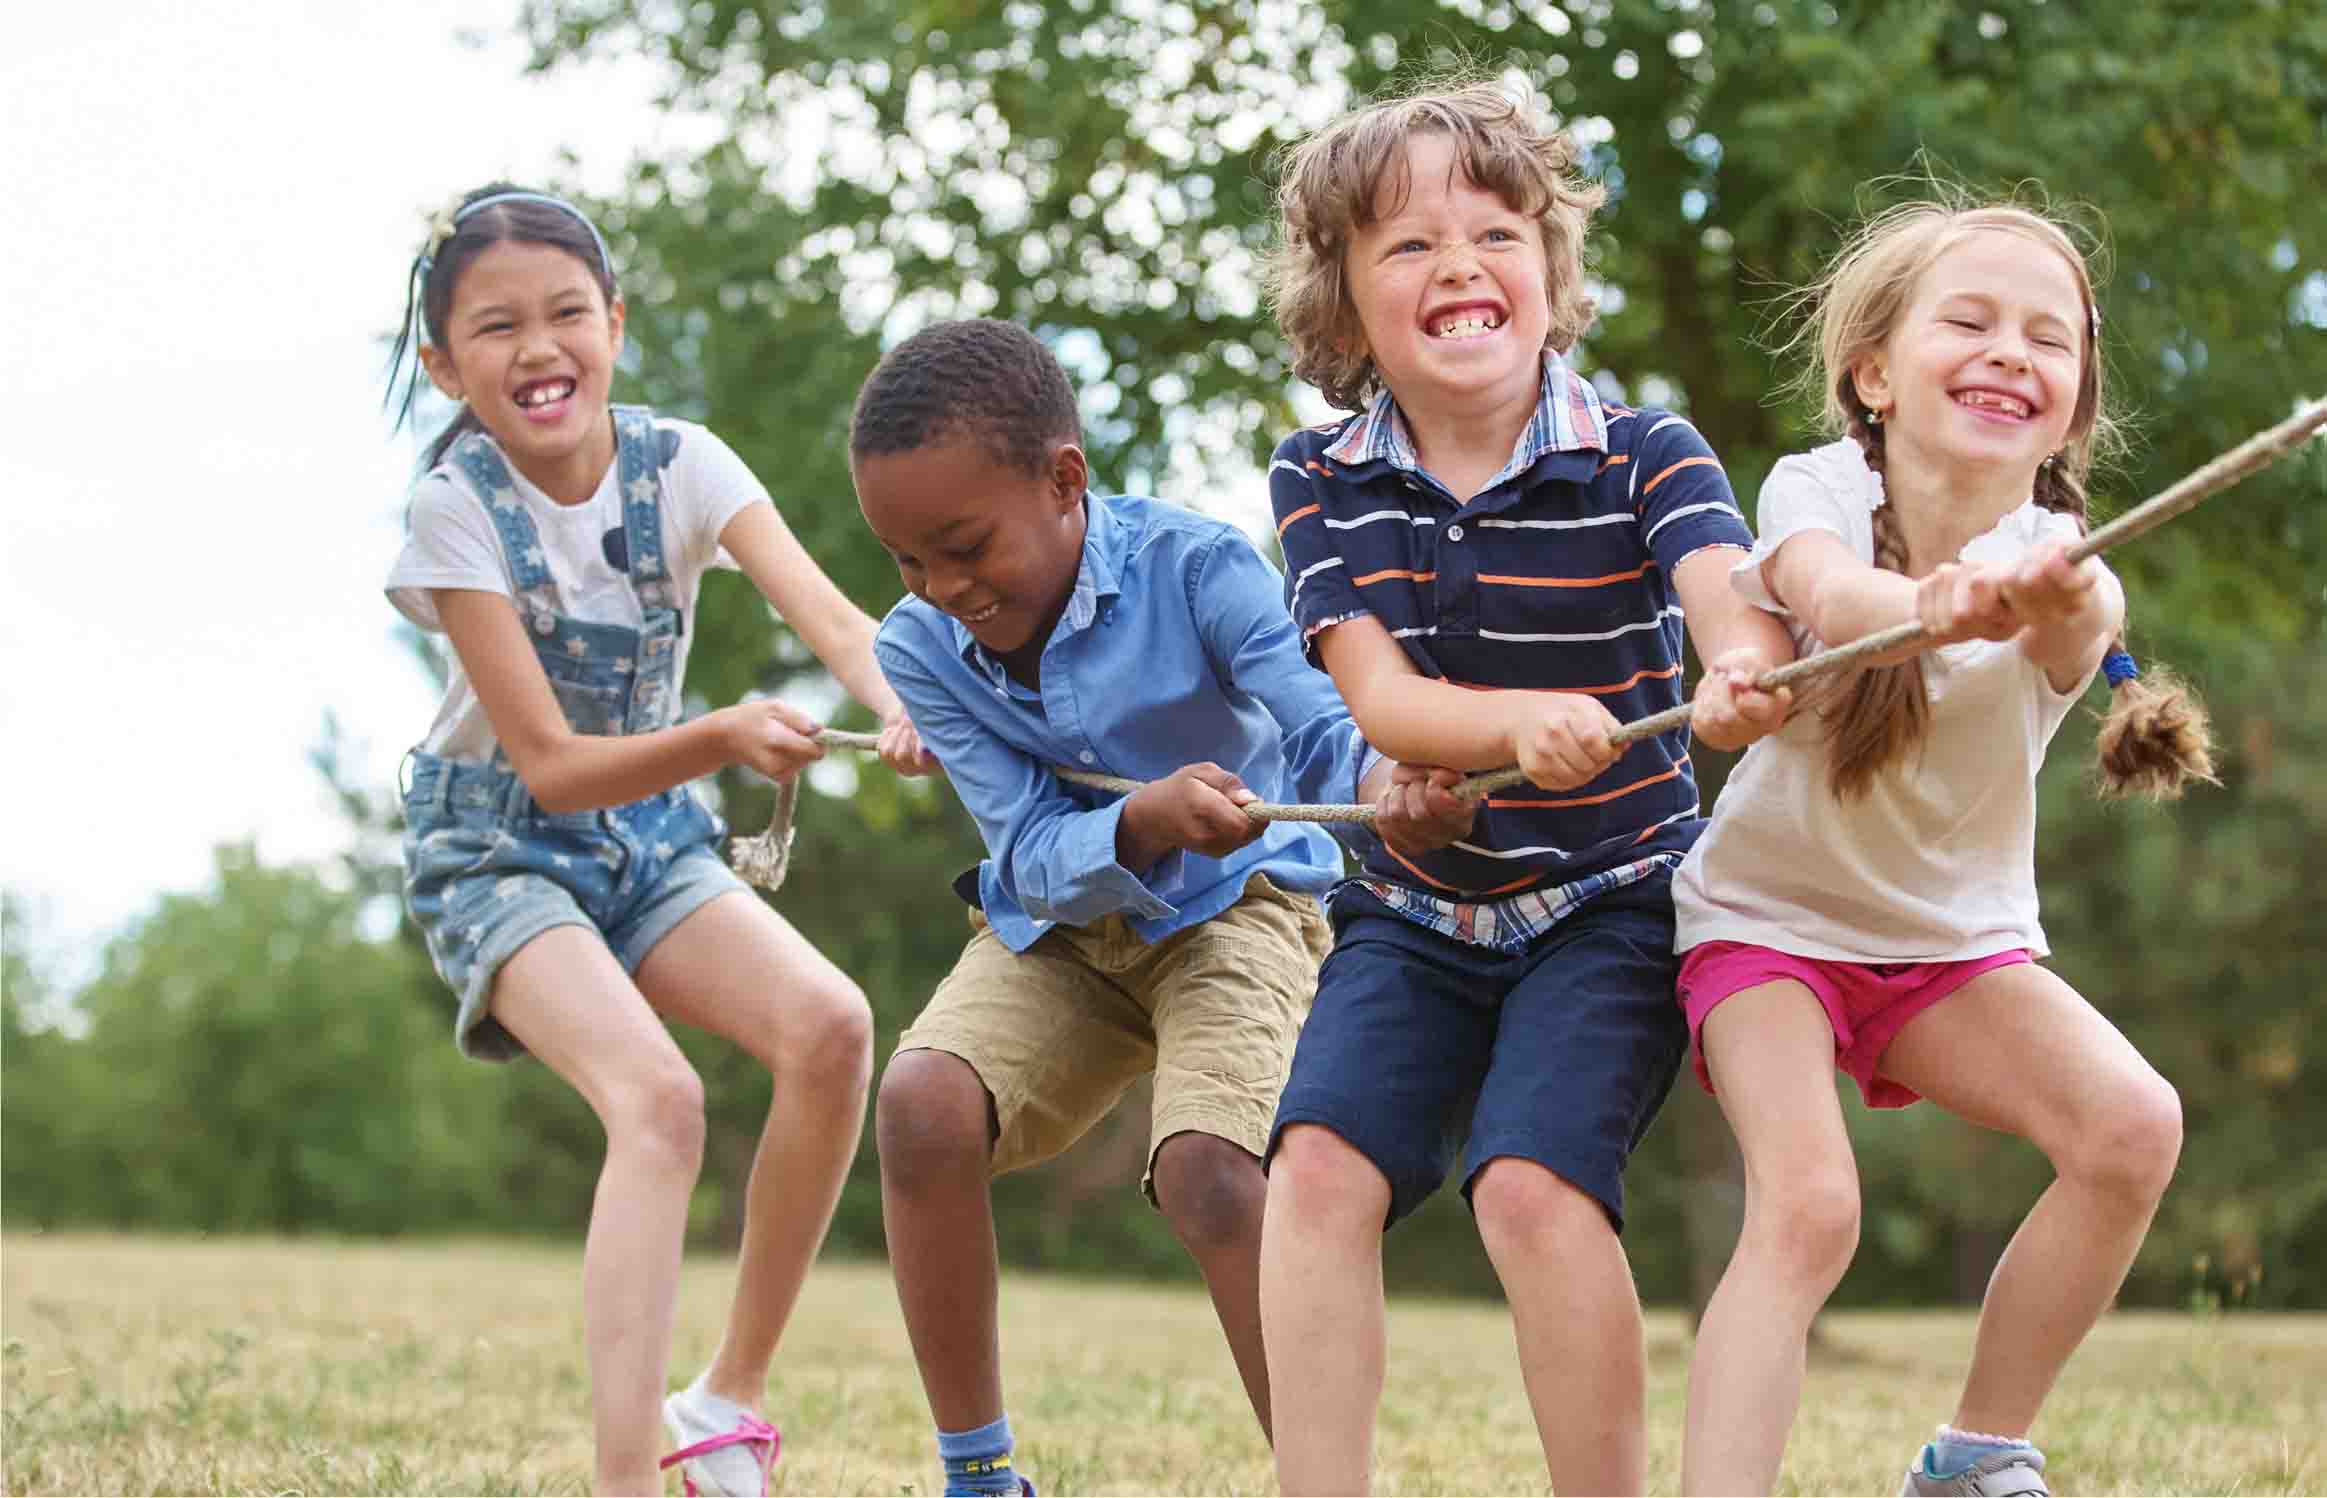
x=1058, y=1032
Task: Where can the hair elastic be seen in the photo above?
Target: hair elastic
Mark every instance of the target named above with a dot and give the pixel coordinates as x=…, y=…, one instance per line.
x=2119, y=666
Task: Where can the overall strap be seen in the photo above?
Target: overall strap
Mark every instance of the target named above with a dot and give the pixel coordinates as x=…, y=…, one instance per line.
x=477, y=456
x=639, y=457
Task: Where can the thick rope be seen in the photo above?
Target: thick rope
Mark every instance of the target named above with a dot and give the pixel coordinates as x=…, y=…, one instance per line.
x=761, y=860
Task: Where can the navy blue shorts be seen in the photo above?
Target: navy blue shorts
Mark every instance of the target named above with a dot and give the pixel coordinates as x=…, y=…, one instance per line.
x=1561, y=1054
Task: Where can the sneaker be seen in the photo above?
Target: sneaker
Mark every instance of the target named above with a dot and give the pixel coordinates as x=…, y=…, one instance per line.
x=728, y=1451
x=2006, y=1472
x=1025, y=1489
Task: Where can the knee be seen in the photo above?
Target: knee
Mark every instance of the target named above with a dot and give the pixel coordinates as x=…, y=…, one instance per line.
x=1323, y=1180
x=2128, y=1148
x=1527, y=1212
x=659, y=1110
x=1211, y=1192
x=1807, y=1225
x=833, y=1043
x=931, y=1121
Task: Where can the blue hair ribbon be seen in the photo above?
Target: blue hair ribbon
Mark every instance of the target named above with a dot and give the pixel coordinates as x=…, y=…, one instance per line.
x=2119, y=666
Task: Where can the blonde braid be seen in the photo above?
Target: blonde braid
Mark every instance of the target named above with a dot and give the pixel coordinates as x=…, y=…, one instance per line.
x=1885, y=710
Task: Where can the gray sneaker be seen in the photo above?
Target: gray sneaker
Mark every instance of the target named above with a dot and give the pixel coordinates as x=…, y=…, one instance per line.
x=2006, y=1472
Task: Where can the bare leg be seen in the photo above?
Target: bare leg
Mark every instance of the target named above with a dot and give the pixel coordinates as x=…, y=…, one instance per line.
x=1321, y=1309
x=2017, y=1049
x=1212, y=1193
x=935, y=1129
x=571, y=1004
x=1578, y=1322
x=1771, y=1052
x=739, y=970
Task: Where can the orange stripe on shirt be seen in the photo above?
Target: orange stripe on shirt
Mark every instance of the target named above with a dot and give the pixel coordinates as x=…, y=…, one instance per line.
x=1297, y=515
x=1620, y=791
x=1612, y=460
x=1650, y=487
x=1637, y=677
x=1318, y=467
x=1566, y=582
x=1452, y=889
x=1375, y=577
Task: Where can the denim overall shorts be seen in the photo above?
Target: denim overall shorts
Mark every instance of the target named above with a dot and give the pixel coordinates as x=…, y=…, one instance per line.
x=486, y=869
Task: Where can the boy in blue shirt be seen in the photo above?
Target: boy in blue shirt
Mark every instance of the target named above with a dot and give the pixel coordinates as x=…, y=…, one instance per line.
x=1163, y=931
x=1493, y=563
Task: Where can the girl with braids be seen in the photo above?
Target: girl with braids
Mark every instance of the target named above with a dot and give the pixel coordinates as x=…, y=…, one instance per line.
x=1865, y=895
x=563, y=875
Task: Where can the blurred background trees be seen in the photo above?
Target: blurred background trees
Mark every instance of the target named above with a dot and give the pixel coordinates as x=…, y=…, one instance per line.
x=265, y=1055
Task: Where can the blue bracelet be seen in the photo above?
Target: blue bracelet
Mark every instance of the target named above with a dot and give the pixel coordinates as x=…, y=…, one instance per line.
x=2119, y=666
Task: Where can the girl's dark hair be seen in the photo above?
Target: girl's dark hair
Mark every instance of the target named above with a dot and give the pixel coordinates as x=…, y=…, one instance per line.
x=455, y=240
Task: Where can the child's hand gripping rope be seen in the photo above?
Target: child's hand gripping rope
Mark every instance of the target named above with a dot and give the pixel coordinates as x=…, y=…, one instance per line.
x=761, y=859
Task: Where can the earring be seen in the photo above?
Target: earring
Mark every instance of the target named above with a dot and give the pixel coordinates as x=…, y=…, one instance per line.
x=1874, y=418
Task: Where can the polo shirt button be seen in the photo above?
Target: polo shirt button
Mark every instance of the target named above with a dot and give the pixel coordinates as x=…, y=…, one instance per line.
x=1454, y=533
x=1087, y=756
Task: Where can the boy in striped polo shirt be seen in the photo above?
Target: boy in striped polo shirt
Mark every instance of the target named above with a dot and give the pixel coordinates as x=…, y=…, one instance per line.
x=1494, y=564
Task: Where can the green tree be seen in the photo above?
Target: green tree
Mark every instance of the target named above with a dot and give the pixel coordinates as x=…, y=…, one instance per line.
x=1101, y=173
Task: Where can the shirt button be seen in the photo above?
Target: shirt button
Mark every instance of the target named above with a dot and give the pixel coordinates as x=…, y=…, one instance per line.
x=1454, y=533
x=1087, y=756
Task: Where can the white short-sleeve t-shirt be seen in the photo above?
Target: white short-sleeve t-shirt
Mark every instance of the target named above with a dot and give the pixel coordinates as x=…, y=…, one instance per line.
x=450, y=542
x=1938, y=861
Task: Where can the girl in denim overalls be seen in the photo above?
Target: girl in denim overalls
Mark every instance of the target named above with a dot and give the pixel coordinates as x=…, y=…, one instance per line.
x=564, y=876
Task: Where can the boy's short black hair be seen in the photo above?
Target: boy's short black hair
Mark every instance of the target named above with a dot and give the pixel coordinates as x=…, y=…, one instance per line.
x=980, y=377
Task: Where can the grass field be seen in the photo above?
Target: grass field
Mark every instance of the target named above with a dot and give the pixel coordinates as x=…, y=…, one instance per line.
x=256, y=1366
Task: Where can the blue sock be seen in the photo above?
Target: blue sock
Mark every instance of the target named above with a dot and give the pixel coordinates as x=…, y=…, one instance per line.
x=1953, y=1450
x=978, y=1461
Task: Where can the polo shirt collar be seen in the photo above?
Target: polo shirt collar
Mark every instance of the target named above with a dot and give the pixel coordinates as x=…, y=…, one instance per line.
x=1568, y=418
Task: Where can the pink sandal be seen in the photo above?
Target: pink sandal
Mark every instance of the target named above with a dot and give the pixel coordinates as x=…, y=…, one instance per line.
x=750, y=1430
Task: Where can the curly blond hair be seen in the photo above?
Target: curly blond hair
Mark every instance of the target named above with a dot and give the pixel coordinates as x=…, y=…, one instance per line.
x=1330, y=183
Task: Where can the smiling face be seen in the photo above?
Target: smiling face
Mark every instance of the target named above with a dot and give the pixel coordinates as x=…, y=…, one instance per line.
x=529, y=346
x=1985, y=366
x=1450, y=288
x=986, y=541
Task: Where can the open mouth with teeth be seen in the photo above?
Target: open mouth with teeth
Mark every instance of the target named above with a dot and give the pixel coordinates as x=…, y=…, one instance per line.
x=976, y=617
x=545, y=400
x=1466, y=322
x=1994, y=403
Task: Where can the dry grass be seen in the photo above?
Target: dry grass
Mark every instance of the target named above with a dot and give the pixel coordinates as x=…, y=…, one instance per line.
x=254, y=1366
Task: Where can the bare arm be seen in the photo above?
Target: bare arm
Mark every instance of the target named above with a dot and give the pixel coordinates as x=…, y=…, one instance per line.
x=2068, y=614
x=1409, y=716
x=568, y=771
x=1737, y=642
x=838, y=631
x=1559, y=738
x=1840, y=598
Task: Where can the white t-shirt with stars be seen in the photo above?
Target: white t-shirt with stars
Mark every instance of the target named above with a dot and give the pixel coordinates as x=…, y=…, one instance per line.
x=450, y=542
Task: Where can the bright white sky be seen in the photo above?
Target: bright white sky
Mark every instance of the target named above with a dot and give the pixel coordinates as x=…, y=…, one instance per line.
x=210, y=212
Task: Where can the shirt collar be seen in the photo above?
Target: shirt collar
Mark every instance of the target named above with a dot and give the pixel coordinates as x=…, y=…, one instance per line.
x=1098, y=576
x=1568, y=418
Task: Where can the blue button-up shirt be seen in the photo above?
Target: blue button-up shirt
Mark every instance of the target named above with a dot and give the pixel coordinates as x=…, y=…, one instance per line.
x=1175, y=647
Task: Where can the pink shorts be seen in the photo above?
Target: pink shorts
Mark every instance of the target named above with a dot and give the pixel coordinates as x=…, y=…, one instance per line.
x=1867, y=1003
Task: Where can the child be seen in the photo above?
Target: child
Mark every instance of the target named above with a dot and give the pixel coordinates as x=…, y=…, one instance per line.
x=1878, y=856
x=562, y=873
x=1493, y=564
x=1112, y=936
